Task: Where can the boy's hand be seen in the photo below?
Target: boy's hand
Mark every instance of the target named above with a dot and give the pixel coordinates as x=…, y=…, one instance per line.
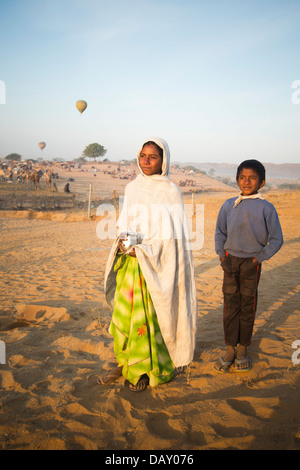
x=255, y=262
x=222, y=258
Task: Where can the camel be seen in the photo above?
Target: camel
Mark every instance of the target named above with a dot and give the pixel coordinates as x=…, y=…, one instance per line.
x=35, y=178
x=47, y=176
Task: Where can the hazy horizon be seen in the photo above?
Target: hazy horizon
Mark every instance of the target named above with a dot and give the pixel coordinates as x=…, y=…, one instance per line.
x=190, y=162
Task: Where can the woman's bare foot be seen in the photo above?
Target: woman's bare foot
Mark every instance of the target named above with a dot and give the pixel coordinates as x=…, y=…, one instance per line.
x=110, y=376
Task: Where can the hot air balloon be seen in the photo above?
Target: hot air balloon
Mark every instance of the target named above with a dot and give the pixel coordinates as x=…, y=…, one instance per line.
x=42, y=145
x=81, y=105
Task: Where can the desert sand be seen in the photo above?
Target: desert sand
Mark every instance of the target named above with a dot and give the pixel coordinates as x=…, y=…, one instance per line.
x=54, y=322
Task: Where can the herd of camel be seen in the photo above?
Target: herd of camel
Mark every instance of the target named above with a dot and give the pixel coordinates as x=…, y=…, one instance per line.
x=31, y=176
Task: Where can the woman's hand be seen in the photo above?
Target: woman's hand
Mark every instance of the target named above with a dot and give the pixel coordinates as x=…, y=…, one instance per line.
x=122, y=248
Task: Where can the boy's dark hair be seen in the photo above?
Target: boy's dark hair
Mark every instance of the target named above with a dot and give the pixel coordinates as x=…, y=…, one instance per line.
x=252, y=165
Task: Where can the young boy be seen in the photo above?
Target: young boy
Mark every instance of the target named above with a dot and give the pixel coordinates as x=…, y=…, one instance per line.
x=248, y=232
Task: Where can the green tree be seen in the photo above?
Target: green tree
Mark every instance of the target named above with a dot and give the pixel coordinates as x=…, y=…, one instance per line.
x=94, y=151
x=13, y=157
x=80, y=160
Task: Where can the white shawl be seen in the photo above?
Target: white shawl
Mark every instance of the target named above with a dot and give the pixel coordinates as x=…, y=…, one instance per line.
x=153, y=206
x=240, y=198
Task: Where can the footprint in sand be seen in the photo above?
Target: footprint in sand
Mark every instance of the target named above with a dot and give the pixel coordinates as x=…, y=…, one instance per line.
x=16, y=324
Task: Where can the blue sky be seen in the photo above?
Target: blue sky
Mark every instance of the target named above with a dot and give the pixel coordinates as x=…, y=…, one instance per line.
x=213, y=78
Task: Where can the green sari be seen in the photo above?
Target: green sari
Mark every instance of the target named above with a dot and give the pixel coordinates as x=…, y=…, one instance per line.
x=138, y=343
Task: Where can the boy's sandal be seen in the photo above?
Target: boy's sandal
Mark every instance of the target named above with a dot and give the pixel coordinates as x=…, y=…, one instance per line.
x=141, y=385
x=222, y=366
x=241, y=362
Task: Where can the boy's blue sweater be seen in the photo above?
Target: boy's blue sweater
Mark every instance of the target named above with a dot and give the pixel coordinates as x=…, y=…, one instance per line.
x=252, y=229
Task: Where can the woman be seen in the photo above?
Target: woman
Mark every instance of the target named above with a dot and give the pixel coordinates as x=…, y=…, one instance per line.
x=151, y=287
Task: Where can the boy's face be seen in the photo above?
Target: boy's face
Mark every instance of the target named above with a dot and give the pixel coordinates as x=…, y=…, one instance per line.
x=248, y=182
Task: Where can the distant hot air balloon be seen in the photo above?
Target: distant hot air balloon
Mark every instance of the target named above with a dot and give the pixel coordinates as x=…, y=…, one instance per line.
x=42, y=145
x=81, y=105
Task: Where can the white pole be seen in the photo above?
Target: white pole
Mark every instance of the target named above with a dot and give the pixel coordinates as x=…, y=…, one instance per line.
x=90, y=195
x=193, y=203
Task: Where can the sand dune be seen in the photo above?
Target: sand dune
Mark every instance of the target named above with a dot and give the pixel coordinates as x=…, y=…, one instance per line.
x=54, y=322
